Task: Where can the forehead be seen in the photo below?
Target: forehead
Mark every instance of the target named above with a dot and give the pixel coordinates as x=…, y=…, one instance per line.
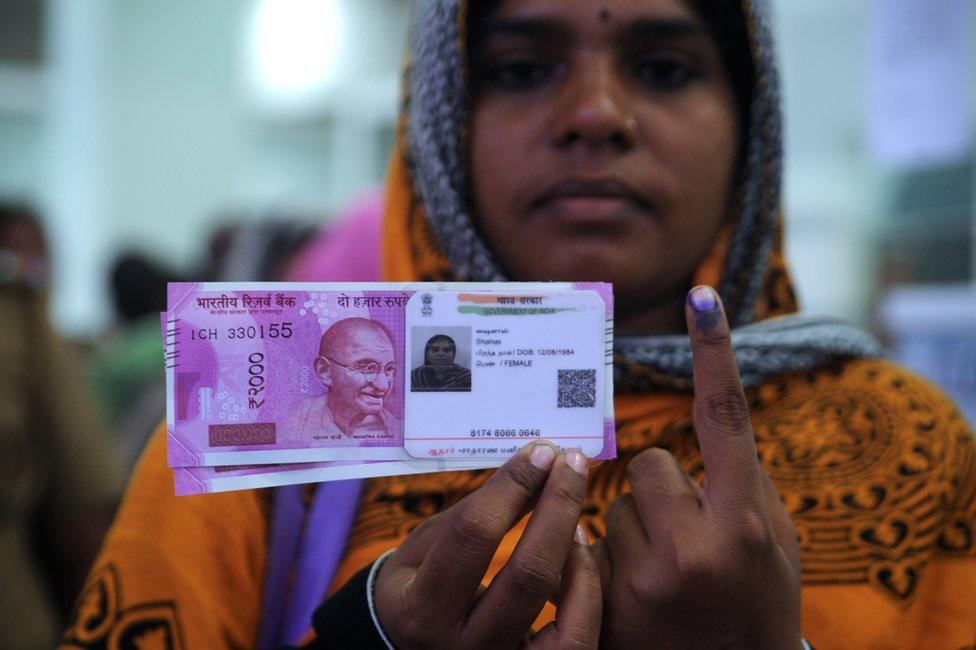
x=603, y=14
x=363, y=342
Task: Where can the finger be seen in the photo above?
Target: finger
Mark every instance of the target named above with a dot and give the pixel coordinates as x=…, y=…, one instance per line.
x=625, y=532
x=531, y=575
x=783, y=527
x=579, y=537
x=721, y=412
x=666, y=498
x=601, y=555
x=482, y=588
x=402, y=564
x=580, y=607
x=581, y=602
x=456, y=562
x=415, y=547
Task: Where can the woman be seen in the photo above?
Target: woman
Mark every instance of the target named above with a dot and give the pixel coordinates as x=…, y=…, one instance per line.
x=439, y=372
x=635, y=141
x=59, y=482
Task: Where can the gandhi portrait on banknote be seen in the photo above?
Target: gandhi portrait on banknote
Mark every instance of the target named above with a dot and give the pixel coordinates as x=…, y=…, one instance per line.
x=357, y=365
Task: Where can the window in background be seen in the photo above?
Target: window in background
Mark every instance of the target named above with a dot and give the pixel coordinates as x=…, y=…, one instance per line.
x=922, y=132
x=293, y=52
x=21, y=24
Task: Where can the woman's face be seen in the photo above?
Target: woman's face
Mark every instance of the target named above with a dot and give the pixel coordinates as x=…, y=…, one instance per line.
x=440, y=352
x=603, y=143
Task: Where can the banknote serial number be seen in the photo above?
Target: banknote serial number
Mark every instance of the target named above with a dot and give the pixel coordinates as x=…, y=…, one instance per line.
x=270, y=331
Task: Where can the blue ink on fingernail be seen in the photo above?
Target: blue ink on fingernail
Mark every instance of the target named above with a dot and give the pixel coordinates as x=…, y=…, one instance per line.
x=705, y=303
x=703, y=299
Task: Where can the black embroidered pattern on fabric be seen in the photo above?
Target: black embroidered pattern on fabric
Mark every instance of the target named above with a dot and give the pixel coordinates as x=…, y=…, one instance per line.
x=99, y=623
x=877, y=471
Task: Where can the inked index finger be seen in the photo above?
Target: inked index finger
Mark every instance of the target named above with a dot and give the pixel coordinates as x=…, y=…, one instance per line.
x=721, y=412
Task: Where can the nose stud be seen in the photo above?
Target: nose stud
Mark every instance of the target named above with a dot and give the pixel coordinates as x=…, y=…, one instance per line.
x=631, y=125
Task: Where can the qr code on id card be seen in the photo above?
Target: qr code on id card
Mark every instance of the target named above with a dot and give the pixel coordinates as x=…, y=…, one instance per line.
x=577, y=389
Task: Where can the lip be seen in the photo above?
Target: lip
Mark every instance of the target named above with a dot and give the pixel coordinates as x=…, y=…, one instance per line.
x=591, y=198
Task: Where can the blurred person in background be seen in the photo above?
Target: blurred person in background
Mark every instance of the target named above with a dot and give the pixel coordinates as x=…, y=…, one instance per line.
x=259, y=251
x=347, y=248
x=127, y=367
x=638, y=142
x=138, y=285
x=23, y=248
x=59, y=482
x=218, y=247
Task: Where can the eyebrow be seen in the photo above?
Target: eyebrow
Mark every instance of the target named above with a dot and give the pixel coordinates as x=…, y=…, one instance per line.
x=529, y=27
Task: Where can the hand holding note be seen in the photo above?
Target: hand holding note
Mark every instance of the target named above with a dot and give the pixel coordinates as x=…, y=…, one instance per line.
x=428, y=593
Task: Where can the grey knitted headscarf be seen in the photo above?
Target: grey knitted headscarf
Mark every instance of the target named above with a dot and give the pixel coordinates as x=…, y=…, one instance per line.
x=437, y=117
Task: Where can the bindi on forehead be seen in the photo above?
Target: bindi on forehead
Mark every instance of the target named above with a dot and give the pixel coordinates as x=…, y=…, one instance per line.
x=604, y=15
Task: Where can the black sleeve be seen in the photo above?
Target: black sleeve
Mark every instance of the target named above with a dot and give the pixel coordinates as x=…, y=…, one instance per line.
x=343, y=621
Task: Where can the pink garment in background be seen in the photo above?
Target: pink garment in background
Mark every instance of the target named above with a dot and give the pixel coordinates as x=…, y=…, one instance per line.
x=348, y=247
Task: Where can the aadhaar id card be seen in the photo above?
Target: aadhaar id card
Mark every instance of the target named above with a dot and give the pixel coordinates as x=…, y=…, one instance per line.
x=491, y=372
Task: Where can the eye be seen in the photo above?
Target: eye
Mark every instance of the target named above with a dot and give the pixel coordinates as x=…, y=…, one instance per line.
x=664, y=72
x=517, y=74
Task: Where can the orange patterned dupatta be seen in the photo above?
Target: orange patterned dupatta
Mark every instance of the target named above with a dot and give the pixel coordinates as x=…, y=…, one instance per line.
x=876, y=467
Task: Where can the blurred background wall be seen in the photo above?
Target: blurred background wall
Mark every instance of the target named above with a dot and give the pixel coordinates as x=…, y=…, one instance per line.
x=139, y=122
x=145, y=123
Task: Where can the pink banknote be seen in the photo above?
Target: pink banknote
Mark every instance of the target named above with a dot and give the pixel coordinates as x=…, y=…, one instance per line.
x=272, y=373
x=206, y=480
